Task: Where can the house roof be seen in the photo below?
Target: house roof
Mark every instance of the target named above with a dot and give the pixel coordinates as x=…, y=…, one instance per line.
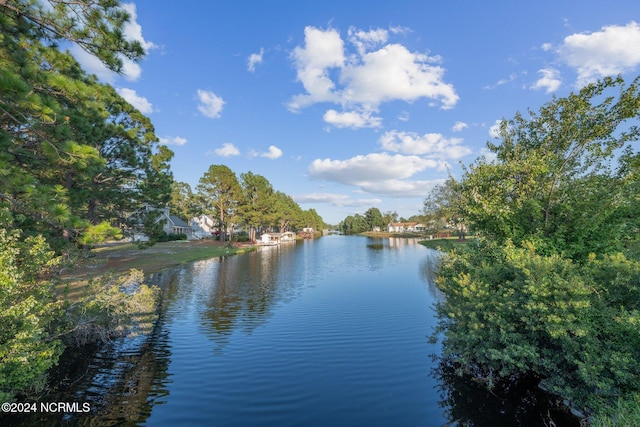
x=177, y=222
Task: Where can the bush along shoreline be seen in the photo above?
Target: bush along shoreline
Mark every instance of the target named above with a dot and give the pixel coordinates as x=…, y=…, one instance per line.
x=43, y=312
x=551, y=289
x=511, y=313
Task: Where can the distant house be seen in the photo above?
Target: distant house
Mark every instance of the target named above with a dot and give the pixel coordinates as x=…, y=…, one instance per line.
x=405, y=227
x=288, y=236
x=175, y=225
x=203, y=225
x=172, y=224
x=269, y=239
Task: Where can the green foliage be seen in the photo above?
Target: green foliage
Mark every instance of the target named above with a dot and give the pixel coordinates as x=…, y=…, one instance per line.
x=553, y=182
x=625, y=412
x=183, y=202
x=374, y=218
x=512, y=313
x=220, y=195
x=258, y=210
x=444, y=206
x=75, y=155
x=553, y=289
x=288, y=215
x=354, y=224
x=94, y=26
x=27, y=346
x=113, y=306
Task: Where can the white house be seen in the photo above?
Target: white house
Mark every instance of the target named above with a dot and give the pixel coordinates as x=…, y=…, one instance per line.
x=203, y=225
x=175, y=225
x=288, y=236
x=405, y=227
x=269, y=239
x=172, y=224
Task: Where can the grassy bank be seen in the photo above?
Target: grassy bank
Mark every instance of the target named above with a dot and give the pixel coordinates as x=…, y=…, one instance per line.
x=445, y=245
x=383, y=234
x=120, y=258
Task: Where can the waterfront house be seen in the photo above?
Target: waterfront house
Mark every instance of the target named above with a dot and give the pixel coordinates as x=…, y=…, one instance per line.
x=172, y=224
x=288, y=236
x=269, y=239
x=175, y=225
x=405, y=227
x=204, y=225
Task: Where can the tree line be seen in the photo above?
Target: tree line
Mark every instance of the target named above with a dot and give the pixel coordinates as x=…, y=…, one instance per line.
x=76, y=160
x=550, y=290
x=250, y=202
x=374, y=219
x=75, y=157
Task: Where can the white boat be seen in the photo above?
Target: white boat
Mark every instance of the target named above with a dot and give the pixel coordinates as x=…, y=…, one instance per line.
x=269, y=239
x=287, y=236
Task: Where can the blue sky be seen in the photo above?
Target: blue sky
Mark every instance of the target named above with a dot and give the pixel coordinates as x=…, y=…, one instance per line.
x=347, y=105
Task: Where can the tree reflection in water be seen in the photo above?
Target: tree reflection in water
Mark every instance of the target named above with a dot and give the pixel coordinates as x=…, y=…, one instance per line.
x=467, y=403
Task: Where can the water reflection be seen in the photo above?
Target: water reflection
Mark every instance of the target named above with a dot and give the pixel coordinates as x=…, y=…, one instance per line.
x=316, y=333
x=466, y=403
x=428, y=269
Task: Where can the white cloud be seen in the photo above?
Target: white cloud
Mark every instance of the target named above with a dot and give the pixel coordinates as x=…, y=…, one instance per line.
x=92, y=65
x=494, y=131
x=131, y=71
x=352, y=119
x=335, y=199
x=489, y=156
x=377, y=173
x=374, y=167
x=255, y=59
x=367, y=40
x=273, y=153
x=132, y=30
x=459, y=126
x=173, y=140
x=372, y=74
x=550, y=80
x=210, y=104
x=227, y=150
x=323, y=50
x=400, y=30
x=139, y=102
x=512, y=77
x=612, y=50
x=433, y=144
x=395, y=73
x=400, y=188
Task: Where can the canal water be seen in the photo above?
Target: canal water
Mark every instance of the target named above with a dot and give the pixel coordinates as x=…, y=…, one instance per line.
x=326, y=332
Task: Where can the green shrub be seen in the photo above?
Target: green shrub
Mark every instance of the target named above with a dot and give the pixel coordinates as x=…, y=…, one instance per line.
x=28, y=347
x=625, y=412
x=242, y=237
x=113, y=306
x=510, y=312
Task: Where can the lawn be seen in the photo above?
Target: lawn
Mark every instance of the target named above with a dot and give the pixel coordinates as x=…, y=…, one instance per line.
x=119, y=258
x=445, y=245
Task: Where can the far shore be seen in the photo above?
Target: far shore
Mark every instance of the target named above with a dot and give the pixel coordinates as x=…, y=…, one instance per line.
x=118, y=258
